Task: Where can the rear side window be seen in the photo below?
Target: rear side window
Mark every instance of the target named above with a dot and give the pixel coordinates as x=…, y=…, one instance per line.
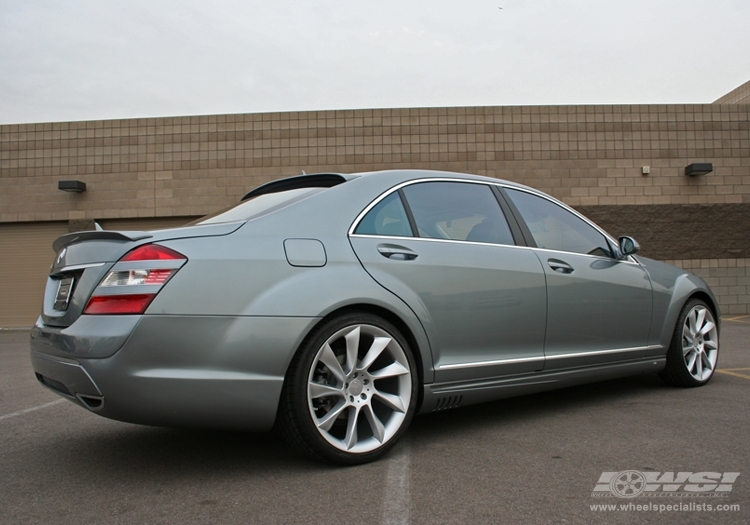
x=388, y=217
x=458, y=211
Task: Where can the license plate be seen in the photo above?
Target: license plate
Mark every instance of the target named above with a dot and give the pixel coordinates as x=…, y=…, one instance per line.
x=64, y=289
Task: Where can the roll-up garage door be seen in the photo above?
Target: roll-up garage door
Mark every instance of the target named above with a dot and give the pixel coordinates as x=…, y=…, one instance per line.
x=25, y=258
x=26, y=255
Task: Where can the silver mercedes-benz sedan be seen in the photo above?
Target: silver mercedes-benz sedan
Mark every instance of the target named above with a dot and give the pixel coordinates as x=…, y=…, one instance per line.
x=335, y=307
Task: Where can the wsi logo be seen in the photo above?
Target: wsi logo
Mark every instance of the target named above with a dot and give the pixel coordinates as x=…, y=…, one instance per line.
x=634, y=483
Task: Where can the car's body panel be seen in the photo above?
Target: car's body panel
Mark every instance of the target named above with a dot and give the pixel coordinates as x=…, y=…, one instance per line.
x=673, y=287
x=86, y=278
x=65, y=376
x=483, y=306
x=89, y=256
x=90, y=337
x=214, y=346
x=305, y=252
x=451, y=395
x=601, y=304
x=190, y=370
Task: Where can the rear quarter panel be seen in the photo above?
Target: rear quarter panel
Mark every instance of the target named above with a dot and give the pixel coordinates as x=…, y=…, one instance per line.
x=246, y=274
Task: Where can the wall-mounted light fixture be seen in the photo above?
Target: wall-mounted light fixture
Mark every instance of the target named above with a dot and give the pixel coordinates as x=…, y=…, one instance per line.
x=699, y=168
x=72, y=186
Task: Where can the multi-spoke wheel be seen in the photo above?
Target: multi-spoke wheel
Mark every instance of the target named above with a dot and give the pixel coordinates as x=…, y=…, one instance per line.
x=692, y=356
x=351, y=391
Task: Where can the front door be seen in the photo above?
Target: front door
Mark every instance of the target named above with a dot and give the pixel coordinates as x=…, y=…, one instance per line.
x=599, y=307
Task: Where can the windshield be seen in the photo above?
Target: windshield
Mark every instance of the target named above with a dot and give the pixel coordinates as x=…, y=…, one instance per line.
x=257, y=206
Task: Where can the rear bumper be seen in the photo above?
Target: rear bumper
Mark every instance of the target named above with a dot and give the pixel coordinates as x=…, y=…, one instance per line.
x=91, y=336
x=67, y=378
x=186, y=371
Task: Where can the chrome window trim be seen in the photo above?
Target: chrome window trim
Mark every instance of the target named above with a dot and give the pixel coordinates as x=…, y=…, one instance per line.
x=544, y=358
x=499, y=184
x=433, y=239
x=602, y=257
x=397, y=187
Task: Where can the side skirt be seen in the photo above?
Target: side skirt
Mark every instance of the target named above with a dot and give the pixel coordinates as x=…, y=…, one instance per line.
x=442, y=396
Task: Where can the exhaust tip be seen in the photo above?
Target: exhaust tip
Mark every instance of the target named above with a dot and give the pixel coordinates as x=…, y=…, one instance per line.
x=93, y=403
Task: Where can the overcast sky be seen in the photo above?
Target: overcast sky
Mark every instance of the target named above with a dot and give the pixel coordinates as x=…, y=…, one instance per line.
x=101, y=59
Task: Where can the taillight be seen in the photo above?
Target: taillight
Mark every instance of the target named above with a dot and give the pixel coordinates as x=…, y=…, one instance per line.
x=137, y=277
x=135, y=280
x=152, y=252
x=119, y=304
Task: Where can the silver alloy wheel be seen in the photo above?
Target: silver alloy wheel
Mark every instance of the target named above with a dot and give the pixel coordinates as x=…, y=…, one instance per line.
x=700, y=343
x=359, y=388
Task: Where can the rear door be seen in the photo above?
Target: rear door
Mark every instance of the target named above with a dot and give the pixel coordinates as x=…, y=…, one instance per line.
x=447, y=250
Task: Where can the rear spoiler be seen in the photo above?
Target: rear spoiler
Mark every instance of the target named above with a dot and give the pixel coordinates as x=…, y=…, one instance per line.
x=313, y=180
x=98, y=235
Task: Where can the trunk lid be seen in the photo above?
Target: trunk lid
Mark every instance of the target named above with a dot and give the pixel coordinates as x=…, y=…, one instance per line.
x=84, y=258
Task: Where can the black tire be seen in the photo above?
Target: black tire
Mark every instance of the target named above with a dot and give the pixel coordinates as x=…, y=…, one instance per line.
x=349, y=414
x=689, y=345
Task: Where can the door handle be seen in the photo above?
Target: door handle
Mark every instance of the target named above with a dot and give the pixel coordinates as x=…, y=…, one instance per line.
x=560, y=266
x=396, y=252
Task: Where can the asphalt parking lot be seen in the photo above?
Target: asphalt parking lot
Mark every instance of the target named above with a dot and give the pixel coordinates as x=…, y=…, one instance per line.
x=535, y=459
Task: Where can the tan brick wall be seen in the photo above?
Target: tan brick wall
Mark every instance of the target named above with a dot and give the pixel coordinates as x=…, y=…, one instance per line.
x=740, y=95
x=729, y=280
x=188, y=166
x=588, y=156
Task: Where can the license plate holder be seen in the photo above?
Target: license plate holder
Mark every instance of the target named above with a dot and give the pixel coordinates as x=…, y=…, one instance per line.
x=64, y=291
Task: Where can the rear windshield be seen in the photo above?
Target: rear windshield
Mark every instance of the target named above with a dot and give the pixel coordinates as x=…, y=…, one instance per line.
x=258, y=206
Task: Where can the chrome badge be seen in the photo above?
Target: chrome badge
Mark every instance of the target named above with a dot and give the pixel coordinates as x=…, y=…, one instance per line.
x=60, y=258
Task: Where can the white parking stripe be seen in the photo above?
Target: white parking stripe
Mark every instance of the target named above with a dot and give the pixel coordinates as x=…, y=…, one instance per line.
x=397, y=494
x=26, y=410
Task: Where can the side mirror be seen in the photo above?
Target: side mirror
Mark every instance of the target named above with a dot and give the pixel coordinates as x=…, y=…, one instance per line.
x=628, y=246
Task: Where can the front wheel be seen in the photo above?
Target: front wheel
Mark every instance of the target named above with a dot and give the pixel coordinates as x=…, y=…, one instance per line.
x=351, y=391
x=694, y=351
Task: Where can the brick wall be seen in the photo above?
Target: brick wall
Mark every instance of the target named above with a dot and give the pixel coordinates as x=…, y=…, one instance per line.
x=729, y=279
x=740, y=95
x=584, y=155
x=703, y=231
x=591, y=157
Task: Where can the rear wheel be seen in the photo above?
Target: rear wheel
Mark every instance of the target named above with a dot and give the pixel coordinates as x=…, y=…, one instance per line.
x=694, y=352
x=351, y=391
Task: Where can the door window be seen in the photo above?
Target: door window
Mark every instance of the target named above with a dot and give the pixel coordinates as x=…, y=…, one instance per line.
x=388, y=217
x=555, y=228
x=458, y=211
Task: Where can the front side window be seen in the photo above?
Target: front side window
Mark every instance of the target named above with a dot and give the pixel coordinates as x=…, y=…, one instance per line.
x=458, y=211
x=555, y=228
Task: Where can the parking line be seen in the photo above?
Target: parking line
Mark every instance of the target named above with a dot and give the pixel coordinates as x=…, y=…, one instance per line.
x=739, y=319
x=397, y=494
x=733, y=372
x=27, y=410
